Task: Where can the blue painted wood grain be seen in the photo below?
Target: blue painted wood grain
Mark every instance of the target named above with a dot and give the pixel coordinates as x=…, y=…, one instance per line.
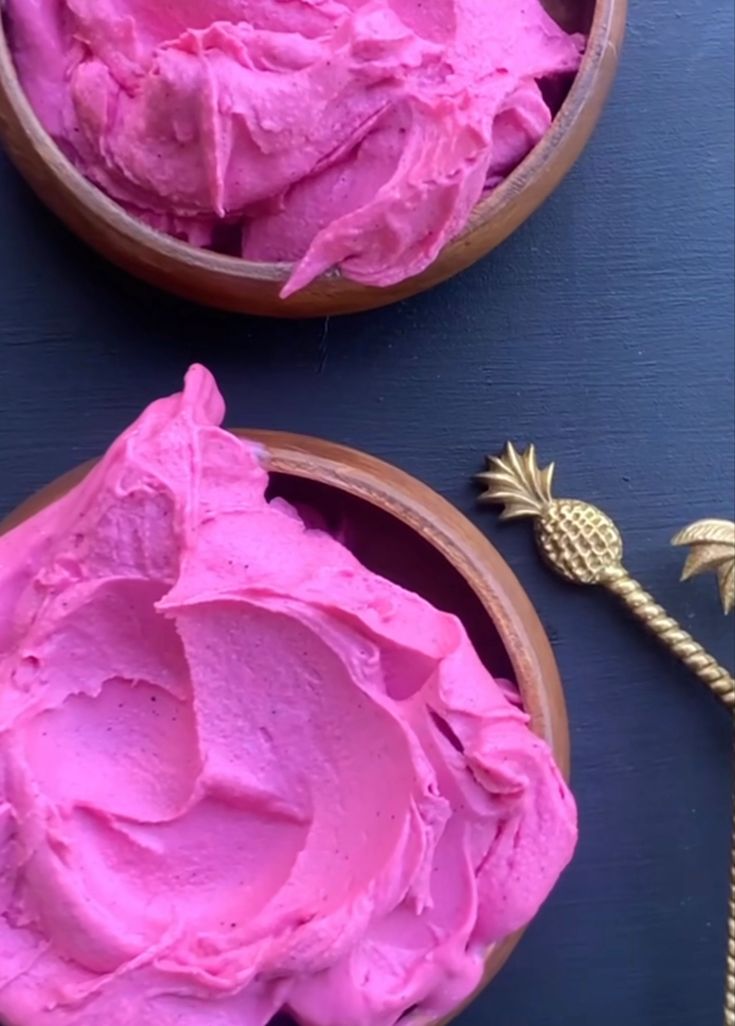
x=604, y=331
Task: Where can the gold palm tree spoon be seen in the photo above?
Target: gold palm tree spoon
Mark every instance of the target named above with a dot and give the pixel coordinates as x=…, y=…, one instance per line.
x=713, y=548
x=583, y=545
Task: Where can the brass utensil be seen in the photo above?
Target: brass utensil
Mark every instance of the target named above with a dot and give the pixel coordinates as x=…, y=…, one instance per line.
x=583, y=545
x=713, y=549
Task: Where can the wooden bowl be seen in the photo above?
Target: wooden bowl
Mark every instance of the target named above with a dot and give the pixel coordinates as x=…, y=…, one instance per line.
x=402, y=529
x=233, y=284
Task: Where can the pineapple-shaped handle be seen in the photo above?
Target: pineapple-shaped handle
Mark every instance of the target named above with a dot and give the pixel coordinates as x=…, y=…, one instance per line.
x=583, y=545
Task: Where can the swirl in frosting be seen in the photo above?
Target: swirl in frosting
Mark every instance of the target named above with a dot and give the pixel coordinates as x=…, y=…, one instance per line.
x=239, y=772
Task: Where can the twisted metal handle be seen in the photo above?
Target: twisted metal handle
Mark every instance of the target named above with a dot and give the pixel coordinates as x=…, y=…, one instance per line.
x=671, y=634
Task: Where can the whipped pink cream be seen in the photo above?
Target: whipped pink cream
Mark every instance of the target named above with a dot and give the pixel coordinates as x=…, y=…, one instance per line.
x=349, y=134
x=239, y=772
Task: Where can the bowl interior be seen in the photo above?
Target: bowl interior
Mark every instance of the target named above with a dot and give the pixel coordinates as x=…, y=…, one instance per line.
x=573, y=15
x=390, y=547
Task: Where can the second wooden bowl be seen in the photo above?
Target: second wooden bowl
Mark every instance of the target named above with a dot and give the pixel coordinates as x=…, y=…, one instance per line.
x=248, y=287
x=402, y=529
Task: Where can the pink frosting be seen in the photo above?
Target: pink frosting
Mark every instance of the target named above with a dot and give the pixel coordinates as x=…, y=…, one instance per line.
x=239, y=772
x=350, y=134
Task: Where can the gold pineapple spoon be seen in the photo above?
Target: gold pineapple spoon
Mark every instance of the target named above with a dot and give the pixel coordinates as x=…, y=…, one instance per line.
x=583, y=545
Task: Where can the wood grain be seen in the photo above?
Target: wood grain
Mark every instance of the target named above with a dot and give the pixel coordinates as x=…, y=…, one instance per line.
x=232, y=284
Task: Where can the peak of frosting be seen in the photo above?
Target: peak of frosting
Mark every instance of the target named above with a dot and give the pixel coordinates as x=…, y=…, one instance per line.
x=239, y=772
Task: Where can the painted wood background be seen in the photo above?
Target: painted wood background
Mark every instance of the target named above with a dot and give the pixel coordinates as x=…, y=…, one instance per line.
x=603, y=331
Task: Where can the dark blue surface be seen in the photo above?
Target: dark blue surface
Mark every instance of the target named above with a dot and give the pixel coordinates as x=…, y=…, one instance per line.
x=604, y=331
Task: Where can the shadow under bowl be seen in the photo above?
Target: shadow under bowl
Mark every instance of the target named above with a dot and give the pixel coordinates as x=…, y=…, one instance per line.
x=400, y=528
x=230, y=283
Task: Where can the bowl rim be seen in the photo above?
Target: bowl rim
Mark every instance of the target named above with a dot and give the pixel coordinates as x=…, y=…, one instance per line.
x=455, y=537
x=553, y=155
